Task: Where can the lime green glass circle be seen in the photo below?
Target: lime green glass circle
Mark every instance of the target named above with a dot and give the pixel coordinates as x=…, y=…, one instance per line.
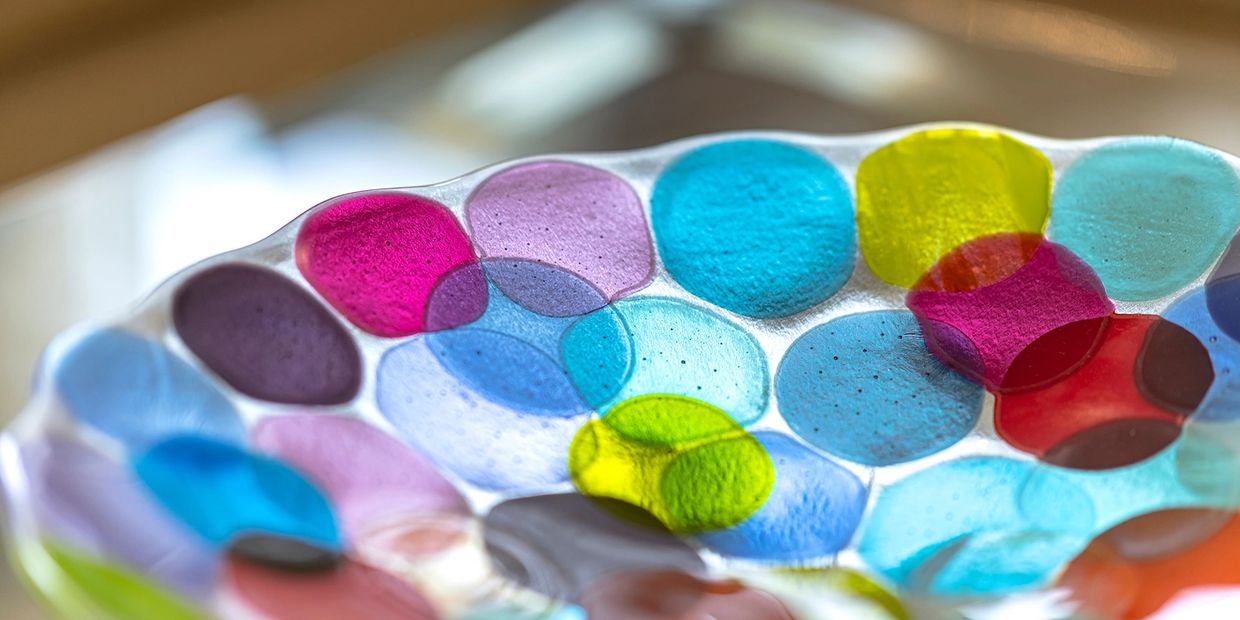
x=685, y=461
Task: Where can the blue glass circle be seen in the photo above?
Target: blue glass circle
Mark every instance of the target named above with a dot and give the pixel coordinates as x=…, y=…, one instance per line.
x=669, y=347
x=1222, y=401
x=760, y=228
x=863, y=387
x=976, y=525
x=507, y=371
x=221, y=491
x=812, y=511
x=135, y=390
x=472, y=418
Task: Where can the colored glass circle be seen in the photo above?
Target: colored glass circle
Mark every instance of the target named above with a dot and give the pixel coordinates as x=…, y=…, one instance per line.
x=266, y=336
x=1149, y=214
x=812, y=512
x=685, y=461
x=504, y=339
x=757, y=227
x=79, y=585
x=349, y=589
x=1222, y=402
x=135, y=390
x=483, y=427
x=576, y=217
x=863, y=387
x=981, y=331
x=1116, y=408
x=1107, y=583
x=1222, y=292
x=376, y=257
x=560, y=544
x=82, y=499
x=976, y=525
x=644, y=345
x=221, y=491
x=1195, y=470
x=368, y=475
x=928, y=192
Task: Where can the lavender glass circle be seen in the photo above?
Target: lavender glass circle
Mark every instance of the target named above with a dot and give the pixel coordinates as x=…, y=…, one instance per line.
x=577, y=217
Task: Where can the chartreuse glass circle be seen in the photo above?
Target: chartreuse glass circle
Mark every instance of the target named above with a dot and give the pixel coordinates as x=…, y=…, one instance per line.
x=78, y=585
x=685, y=461
x=926, y=193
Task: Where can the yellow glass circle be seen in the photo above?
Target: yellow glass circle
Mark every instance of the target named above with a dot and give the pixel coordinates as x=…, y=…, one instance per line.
x=920, y=197
x=685, y=461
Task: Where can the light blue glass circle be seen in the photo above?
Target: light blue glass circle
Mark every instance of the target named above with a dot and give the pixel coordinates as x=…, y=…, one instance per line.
x=760, y=228
x=864, y=388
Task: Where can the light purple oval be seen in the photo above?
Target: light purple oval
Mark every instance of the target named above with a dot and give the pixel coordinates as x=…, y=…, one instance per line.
x=576, y=217
x=92, y=503
x=366, y=474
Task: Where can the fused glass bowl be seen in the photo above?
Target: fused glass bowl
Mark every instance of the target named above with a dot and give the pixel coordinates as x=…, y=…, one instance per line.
x=753, y=375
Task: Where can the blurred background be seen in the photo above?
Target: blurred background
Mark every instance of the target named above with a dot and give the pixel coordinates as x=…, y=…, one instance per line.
x=139, y=136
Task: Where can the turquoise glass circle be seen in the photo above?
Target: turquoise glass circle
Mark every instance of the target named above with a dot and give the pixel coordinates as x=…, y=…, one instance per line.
x=222, y=491
x=976, y=525
x=760, y=228
x=1148, y=214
